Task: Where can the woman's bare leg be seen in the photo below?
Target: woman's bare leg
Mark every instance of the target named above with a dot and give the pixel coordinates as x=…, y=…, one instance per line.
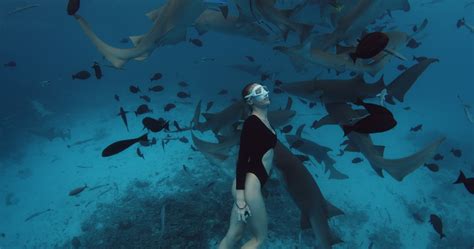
x=236, y=227
x=258, y=222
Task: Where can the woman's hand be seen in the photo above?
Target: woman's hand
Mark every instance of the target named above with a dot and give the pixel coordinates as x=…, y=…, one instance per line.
x=243, y=210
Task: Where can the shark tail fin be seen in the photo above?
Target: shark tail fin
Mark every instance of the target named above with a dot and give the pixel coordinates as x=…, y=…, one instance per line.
x=116, y=56
x=461, y=178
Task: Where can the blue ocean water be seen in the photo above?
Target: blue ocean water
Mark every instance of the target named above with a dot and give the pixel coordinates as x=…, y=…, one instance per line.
x=53, y=130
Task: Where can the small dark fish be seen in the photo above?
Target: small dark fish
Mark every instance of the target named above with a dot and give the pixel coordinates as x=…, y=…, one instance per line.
x=277, y=90
x=406, y=108
x=412, y=43
x=2, y=235
x=278, y=82
x=156, y=88
x=416, y=128
x=121, y=145
x=183, y=95
x=287, y=128
x=297, y=144
x=155, y=125
x=73, y=6
x=380, y=119
x=139, y=153
x=432, y=166
x=196, y=42
x=117, y=97
x=148, y=142
x=461, y=22
x=264, y=76
x=142, y=109
x=437, y=225
x=250, y=58
x=209, y=105
x=183, y=84
x=183, y=139
x=10, y=64
x=456, y=152
x=468, y=182
x=401, y=67
x=97, y=70
x=419, y=59
x=82, y=75
x=77, y=190
x=357, y=160
x=134, y=89
x=169, y=106
x=438, y=157
x=123, y=115
x=223, y=92
x=370, y=45
x=124, y=40
x=156, y=76
x=146, y=98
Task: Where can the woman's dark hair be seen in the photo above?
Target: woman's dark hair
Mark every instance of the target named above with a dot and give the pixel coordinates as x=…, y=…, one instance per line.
x=246, y=90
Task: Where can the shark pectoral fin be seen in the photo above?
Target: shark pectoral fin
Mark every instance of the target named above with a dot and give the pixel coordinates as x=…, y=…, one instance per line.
x=389, y=99
x=335, y=174
x=304, y=222
x=154, y=14
x=351, y=148
x=380, y=150
x=336, y=240
x=208, y=116
x=332, y=210
x=377, y=170
x=142, y=57
x=136, y=39
x=201, y=30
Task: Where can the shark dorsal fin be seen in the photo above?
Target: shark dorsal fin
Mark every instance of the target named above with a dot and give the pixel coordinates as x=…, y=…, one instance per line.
x=154, y=14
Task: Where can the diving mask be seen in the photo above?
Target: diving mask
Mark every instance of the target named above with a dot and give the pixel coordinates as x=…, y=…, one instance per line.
x=260, y=92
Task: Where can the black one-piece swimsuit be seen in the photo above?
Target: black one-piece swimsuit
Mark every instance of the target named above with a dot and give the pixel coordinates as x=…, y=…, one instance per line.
x=255, y=140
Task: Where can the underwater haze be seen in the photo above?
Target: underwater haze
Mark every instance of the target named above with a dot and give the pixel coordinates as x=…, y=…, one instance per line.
x=120, y=122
